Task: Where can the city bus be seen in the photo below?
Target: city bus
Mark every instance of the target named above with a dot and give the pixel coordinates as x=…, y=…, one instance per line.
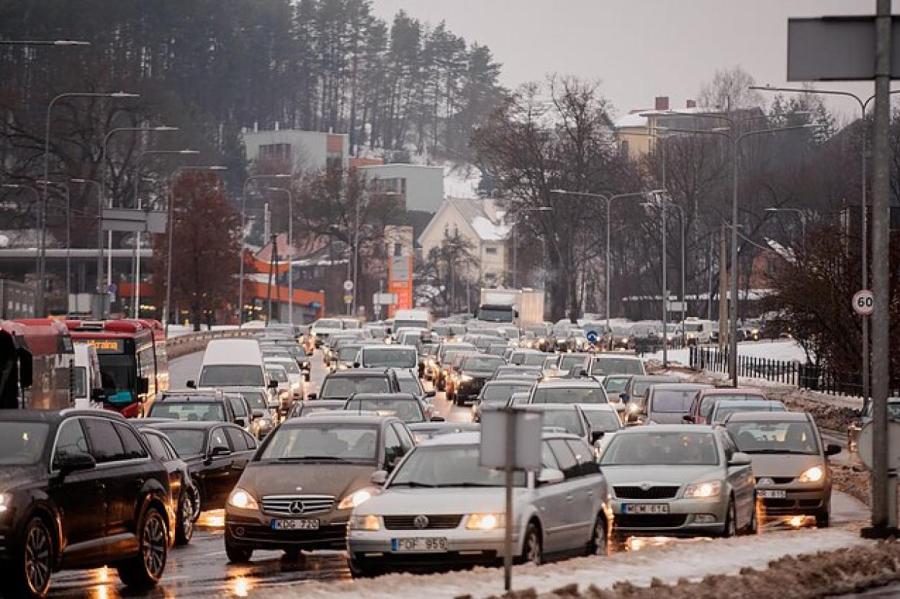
x=36, y=359
x=133, y=369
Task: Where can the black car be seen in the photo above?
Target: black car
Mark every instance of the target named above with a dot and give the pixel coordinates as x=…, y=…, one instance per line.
x=185, y=495
x=468, y=380
x=343, y=384
x=405, y=406
x=79, y=490
x=313, y=406
x=216, y=454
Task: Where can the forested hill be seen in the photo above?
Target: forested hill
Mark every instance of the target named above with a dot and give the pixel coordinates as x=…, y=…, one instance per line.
x=310, y=64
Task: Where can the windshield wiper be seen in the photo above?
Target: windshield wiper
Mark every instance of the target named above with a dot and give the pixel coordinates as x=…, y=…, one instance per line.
x=321, y=458
x=469, y=484
x=413, y=483
x=787, y=451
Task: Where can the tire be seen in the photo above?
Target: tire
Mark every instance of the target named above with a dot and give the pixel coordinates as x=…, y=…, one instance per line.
x=599, y=543
x=29, y=573
x=363, y=569
x=293, y=554
x=145, y=569
x=236, y=554
x=823, y=518
x=752, y=527
x=184, y=523
x=532, y=552
x=730, y=529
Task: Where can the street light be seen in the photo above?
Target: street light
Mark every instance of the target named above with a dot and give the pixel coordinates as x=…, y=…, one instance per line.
x=250, y=179
x=290, y=198
x=515, y=229
x=735, y=140
x=136, y=272
x=41, y=252
x=68, y=193
x=171, y=226
x=802, y=216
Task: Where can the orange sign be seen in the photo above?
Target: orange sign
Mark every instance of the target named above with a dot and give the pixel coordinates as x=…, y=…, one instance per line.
x=400, y=282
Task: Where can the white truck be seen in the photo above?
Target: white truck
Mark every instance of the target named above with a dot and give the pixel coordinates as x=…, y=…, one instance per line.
x=521, y=307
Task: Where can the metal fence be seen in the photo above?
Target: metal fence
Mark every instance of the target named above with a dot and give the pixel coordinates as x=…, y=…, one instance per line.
x=797, y=374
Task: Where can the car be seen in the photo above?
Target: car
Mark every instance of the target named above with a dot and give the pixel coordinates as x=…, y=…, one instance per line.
x=185, y=495
x=321, y=330
x=634, y=396
x=724, y=408
x=315, y=406
x=616, y=363
x=440, y=361
x=469, y=377
x=193, y=405
x=388, y=356
x=277, y=374
x=215, y=453
x=440, y=507
x=341, y=385
x=565, y=417
x=865, y=416
x=451, y=360
x=305, y=480
x=405, y=406
x=527, y=357
x=568, y=391
x=410, y=383
x=422, y=431
x=615, y=384
x=496, y=349
x=568, y=361
x=345, y=357
x=59, y=468
x=529, y=373
x=295, y=375
x=519, y=398
x=705, y=401
x=667, y=403
x=230, y=362
x=603, y=419
x=679, y=480
x=263, y=418
x=550, y=365
x=790, y=462
x=497, y=393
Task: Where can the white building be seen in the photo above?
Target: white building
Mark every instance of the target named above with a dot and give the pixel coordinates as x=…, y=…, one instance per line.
x=482, y=224
x=301, y=151
x=421, y=187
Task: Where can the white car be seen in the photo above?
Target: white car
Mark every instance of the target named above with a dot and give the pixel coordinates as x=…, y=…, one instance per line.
x=294, y=374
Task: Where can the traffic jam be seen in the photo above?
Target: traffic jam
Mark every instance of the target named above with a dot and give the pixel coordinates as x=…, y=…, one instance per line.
x=364, y=438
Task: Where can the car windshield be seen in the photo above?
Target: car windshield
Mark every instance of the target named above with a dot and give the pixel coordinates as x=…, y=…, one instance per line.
x=774, y=437
x=489, y=363
x=498, y=314
x=569, y=395
x=256, y=399
x=723, y=412
x=602, y=420
x=450, y=466
x=501, y=393
x=569, y=361
x=672, y=401
x=445, y=350
x=277, y=374
x=191, y=411
x=344, y=387
x=187, y=442
x=329, y=323
x=615, y=385
x=533, y=360
x=327, y=442
x=661, y=449
x=389, y=358
x=231, y=375
x=348, y=353
x=407, y=410
x=118, y=375
x=22, y=443
x=607, y=366
x=567, y=420
x=640, y=387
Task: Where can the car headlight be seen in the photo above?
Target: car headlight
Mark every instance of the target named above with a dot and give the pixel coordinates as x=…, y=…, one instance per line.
x=703, y=490
x=370, y=522
x=484, y=521
x=242, y=500
x=465, y=378
x=813, y=475
x=625, y=339
x=356, y=498
x=5, y=500
x=634, y=408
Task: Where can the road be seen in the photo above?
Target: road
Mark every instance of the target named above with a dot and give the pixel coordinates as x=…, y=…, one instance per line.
x=201, y=568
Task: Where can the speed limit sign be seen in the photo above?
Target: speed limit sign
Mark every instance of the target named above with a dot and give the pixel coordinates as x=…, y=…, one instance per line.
x=864, y=302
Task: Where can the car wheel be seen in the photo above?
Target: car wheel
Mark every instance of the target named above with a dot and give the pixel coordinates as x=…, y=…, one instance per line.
x=599, y=544
x=823, y=518
x=146, y=568
x=293, y=554
x=184, y=525
x=30, y=573
x=532, y=552
x=753, y=526
x=730, y=521
x=360, y=569
x=236, y=554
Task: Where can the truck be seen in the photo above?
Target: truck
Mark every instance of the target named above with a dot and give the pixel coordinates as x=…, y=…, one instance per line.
x=521, y=307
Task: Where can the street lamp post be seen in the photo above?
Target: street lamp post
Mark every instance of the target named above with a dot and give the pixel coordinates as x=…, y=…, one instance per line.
x=41, y=251
x=68, y=193
x=290, y=198
x=171, y=225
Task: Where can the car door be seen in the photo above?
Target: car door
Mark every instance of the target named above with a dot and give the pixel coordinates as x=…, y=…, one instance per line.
x=80, y=495
x=741, y=480
x=572, y=502
x=219, y=476
x=589, y=489
x=392, y=448
x=550, y=503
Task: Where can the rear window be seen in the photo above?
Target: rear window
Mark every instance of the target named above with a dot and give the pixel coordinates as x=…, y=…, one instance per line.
x=344, y=387
x=607, y=366
x=671, y=401
x=231, y=375
x=569, y=395
x=193, y=411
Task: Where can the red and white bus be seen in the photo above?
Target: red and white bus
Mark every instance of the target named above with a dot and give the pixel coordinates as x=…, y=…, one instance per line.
x=133, y=366
x=36, y=358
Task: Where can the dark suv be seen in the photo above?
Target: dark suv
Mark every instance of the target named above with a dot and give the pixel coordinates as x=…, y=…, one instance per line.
x=344, y=383
x=79, y=489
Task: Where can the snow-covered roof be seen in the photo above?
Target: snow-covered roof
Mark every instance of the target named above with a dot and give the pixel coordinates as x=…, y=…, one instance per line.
x=633, y=119
x=490, y=231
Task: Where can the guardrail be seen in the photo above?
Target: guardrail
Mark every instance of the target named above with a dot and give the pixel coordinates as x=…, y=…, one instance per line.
x=194, y=342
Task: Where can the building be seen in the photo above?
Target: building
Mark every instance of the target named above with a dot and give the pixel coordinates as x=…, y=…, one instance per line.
x=419, y=186
x=300, y=151
x=481, y=222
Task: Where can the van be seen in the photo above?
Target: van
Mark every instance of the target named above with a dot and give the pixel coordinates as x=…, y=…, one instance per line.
x=230, y=363
x=419, y=318
x=698, y=331
x=86, y=376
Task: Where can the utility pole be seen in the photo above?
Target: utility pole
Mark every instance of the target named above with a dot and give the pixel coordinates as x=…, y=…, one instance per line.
x=273, y=261
x=723, y=290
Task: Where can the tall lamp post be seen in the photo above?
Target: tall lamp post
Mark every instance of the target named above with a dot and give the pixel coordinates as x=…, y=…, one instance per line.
x=171, y=225
x=290, y=199
x=68, y=195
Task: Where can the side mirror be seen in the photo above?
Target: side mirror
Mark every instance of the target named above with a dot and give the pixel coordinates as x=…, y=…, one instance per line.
x=688, y=419
x=437, y=418
x=143, y=385
x=379, y=477
x=272, y=385
x=240, y=421
x=258, y=414
x=832, y=449
x=311, y=396
x=191, y=384
x=740, y=459
x=219, y=451
x=596, y=436
x=550, y=476
x=623, y=397
x=356, y=364
x=73, y=462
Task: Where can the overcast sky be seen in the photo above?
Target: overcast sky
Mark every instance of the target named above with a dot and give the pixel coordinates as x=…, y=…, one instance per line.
x=638, y=49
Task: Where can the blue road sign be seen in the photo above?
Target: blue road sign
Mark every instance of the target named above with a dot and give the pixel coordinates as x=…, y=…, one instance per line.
x=592, y=336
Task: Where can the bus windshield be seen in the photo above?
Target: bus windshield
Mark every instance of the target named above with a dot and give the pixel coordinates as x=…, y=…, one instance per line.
x=118, y=373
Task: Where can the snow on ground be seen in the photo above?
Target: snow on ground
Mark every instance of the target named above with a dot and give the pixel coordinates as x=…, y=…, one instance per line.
x=785, y=350
x=693, y=559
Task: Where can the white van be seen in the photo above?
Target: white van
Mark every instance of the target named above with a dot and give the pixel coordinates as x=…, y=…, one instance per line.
x=86, y=376
x=698, y=331
x=232, y=363
x=417, y=318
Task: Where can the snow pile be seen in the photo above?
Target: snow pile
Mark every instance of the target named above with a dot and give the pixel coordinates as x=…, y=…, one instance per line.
x=783, y=350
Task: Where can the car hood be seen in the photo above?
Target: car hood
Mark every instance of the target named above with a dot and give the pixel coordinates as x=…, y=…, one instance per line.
x=667, y=417
x=15, y=476
x=783, y=464
x=449, y=500
x=667, y=475
x=320, y=478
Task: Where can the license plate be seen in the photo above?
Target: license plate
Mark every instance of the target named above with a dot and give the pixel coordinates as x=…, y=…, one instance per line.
x=646, y=508
x=771, y=494
x=419, y=545
x=295, y=524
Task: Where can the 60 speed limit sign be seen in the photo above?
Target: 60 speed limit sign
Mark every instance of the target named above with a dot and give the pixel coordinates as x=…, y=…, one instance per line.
x=864, y=302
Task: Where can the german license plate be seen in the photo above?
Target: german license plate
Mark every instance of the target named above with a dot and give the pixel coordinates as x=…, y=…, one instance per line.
x=771, y=494
x=646, y=508
x=419, y=545
x=308, y=524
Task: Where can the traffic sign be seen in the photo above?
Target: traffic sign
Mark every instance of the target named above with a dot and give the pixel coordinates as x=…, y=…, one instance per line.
x=864, y=302
x=348, y=299
x=592, y=336
x=348, y=285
